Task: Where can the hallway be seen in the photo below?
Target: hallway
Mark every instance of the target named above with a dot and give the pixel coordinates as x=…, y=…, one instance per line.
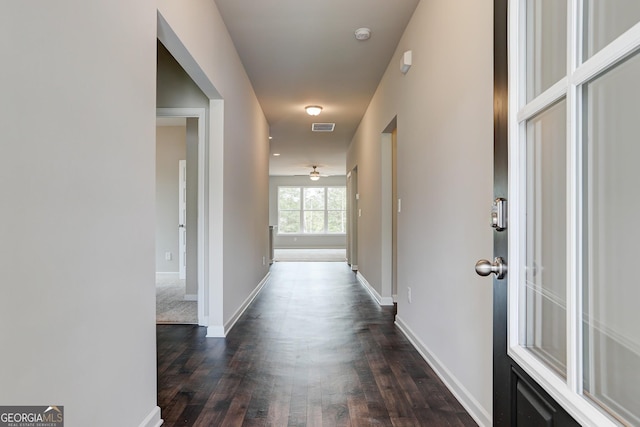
x=313, y=349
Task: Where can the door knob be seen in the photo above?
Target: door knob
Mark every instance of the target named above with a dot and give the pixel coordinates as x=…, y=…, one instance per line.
x=498, y=267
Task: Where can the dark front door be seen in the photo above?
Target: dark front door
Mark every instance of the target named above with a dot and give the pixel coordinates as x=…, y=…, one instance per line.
x=517, y=399
x=566, y=123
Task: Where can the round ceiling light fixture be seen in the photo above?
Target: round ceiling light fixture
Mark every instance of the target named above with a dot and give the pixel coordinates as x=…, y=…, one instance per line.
x=313, y=110
x=363, y=33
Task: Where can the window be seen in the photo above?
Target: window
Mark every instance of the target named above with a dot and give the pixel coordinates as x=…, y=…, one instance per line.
x=312, y=210
x=574, y=207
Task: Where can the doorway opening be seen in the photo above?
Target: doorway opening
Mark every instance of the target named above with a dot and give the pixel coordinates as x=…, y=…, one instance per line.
x=390, y=209
x=180, y=210
x=352, y=218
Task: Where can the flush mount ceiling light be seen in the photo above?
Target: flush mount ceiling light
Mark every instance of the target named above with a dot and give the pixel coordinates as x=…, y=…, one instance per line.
x=313, y=110
x=314, y=175
x=363, y=33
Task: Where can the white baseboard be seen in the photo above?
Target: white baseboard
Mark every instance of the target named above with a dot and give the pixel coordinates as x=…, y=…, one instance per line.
x=153, y=419
x=379, y=298
x=215, y=332
x=204, y=321
x=174, y=275
x=466, y=399
x=354, y=267
x=191, y=297
x=232, y=321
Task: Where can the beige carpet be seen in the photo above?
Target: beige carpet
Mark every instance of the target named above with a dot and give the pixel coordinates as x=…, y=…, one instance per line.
x=170, y=304
x=307, y=255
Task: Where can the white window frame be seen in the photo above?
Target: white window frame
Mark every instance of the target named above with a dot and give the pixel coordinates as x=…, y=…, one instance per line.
x=566, y=391
x=302, y=210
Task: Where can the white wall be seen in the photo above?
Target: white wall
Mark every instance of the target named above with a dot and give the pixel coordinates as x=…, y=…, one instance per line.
x=239, y=149
x=444, y=110
x=77, y=154
x=301, y=241
x=171, y=147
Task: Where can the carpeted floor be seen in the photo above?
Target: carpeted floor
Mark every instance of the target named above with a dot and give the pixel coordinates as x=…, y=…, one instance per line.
x=306, y=255
x=170, y=304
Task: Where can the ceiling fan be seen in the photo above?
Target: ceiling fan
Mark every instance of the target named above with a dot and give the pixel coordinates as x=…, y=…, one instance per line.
x=315, y=175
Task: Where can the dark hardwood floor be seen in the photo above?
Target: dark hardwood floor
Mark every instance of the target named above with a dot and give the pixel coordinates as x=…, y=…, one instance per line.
x=313, y=349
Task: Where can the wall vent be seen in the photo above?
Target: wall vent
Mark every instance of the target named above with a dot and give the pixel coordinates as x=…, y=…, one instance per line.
x=323, y=127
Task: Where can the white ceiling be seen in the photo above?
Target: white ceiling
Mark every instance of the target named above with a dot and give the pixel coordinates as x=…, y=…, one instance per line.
x=304, y=52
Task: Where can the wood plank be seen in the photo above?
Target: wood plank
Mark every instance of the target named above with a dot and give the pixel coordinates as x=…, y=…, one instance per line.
x=313, y=349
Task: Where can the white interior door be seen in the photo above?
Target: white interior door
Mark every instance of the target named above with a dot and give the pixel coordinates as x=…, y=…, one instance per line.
x=182, y=218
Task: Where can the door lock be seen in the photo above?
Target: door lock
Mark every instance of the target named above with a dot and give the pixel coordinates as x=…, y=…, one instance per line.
x=499, y=214
x=498, y=267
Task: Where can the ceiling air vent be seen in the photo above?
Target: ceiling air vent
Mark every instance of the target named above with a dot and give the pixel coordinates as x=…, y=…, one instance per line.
x=323, y=127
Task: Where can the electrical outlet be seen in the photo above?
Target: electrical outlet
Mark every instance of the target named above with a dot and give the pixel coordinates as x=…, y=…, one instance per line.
x=409, y=294
x=167, y=256
x=264, y=260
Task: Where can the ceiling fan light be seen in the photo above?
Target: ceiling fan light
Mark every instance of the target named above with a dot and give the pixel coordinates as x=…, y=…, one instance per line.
x=313, y=110
x=314, y=175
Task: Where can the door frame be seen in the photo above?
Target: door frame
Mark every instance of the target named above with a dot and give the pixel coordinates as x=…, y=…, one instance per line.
x=182, y=218
x=200, y=114
x=352, y=215
x=388, y=215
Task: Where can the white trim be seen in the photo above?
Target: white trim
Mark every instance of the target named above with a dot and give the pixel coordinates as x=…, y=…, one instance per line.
x=517, y=47
x=354, y=267
x=379, y=299
x=215, y=296
x=544, y=100
x=200, y=114
x=182, y=218
x=153, y=419
x=573, y=207
x=243, y=307
x=456, y=387
x=612, y=54
x=215, y=332
x=578, y=406
x=191, y=297
x=386, y=215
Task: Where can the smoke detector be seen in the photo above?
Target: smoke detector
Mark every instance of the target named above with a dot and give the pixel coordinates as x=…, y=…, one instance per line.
x=363, y=33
